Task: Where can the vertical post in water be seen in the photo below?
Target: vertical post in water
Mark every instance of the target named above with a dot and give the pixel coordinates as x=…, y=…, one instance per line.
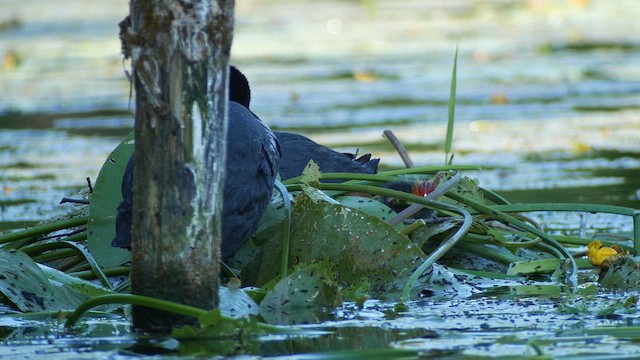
x=179, y=54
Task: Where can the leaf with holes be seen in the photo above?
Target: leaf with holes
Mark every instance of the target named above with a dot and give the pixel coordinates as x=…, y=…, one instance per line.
x=297, y=298
x=360, y=248
x=29, y=288
x=370, y=206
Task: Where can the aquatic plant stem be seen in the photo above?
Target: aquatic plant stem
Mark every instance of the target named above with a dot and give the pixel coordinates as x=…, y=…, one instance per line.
x=390, y=175
x=79, y=249
x=571, y=280
x=133, y=300
x=636, y=232
x=428, y=169
x=374, y=190
x=345, y=176
x=172, y=307
x=404, y=155
x=44, y=229
x=439, y=252
x=607, y=209
x=436, y=193
x=413, y=227
x=286, y=228
x=89, y=274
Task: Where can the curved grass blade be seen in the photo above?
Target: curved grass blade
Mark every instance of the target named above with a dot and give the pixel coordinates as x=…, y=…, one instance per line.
x=440, y=251
x=571, y=279
x=344, y=176
x=134, y=300
x=43, y=229
x=428, y=169
x=452, y=110
x=80, y=249
x=607, y=209
x=172, y=307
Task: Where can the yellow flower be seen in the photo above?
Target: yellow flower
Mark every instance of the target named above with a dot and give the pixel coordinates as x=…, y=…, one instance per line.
x=598, y=253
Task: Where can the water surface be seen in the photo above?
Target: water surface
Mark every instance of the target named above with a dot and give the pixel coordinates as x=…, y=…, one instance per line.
x=548, y=100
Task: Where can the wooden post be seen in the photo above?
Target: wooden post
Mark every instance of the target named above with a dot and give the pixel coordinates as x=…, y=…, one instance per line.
x=179, y=52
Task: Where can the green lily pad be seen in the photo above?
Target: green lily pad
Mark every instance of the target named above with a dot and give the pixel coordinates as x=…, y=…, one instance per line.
x=235, y=303
x=422, y=236
x=26, y=285
x=296, y=298
x=468, y=188
x=623, y=274
x=370, y=206
x=105, y=199
x=360, y=248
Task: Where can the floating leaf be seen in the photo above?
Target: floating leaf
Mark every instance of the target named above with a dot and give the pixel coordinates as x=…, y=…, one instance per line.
x=623, y=274
x=360, y=248
x=448, y=282
x=469, y=188
x=235, y=303
x=309, y=289
x=102, y=211
x=311, y=173
x=533, y=266
x=27, y=286
x=370, y=206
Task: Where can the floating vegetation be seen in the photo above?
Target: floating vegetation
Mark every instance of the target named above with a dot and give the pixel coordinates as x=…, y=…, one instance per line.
x=321, y=245
x=341, y=247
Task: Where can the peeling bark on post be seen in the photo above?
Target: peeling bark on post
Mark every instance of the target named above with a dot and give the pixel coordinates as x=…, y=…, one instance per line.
x=179, y=52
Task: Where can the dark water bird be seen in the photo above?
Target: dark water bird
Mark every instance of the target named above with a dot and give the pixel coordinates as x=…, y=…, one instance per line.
x=253, y=155
x=251, y=167
x=297, y=150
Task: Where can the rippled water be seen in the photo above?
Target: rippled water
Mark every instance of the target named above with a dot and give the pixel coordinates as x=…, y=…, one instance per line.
x=548, y=99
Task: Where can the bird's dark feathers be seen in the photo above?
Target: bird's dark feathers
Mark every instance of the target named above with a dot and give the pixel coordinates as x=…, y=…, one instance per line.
x=251, y=168
x=254, y=157
x=297, y=150
x=239, y=90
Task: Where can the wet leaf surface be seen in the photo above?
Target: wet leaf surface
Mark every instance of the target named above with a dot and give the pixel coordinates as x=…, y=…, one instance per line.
x=358, y=248
x=105, y=199
x=623, y=274
x=29, y=288
x=299, y=297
